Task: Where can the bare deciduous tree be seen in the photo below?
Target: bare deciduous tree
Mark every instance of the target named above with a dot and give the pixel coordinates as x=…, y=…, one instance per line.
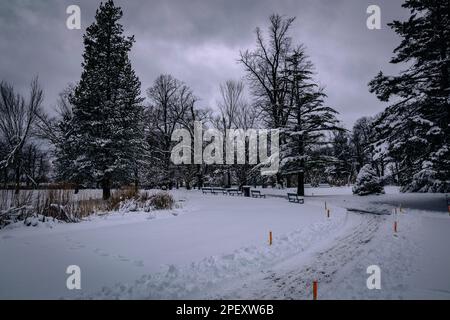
x=264, y=67
x=171, y=101
x=17, y=122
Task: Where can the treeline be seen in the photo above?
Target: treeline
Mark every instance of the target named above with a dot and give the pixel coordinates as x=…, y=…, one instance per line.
x=105, y=134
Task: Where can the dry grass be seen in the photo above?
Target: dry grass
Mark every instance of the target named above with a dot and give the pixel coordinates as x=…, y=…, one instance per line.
x=63, y=205
x=162, y=201
x=121, y=195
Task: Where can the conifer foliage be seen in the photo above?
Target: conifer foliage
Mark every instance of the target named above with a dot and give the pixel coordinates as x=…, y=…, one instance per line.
x=367, y=182
x=105, y=131
x=416, y=128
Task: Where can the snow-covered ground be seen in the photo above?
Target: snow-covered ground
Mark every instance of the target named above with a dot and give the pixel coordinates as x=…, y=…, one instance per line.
x=216, y=246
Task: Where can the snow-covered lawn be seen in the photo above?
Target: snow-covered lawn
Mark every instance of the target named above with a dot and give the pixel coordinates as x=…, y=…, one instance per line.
x=216, y=246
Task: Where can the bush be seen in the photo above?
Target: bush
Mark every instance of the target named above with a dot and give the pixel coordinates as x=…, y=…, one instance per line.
x=122, y=195
x=161, y=201
x=367, y=182
x=128, y=200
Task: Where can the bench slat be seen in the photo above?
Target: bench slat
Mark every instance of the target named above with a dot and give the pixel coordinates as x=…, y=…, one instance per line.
x=293, y=197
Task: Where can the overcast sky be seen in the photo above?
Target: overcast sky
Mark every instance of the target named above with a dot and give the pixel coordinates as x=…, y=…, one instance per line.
x=198, y=41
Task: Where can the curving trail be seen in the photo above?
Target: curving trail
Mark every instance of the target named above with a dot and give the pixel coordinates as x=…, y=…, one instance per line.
x=296, y=283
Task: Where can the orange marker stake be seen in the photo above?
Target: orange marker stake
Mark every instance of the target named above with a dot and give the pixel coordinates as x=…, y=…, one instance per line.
x=328, y=213
x=395, y=226
x=270, y=238
x=314, y=290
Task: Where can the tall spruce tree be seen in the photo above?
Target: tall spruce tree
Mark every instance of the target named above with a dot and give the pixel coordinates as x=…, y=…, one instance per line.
x=106, y=128
x=308, y=122
x=416, y=128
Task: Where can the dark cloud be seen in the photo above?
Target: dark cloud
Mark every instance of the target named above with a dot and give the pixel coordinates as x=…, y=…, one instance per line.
x=198, y=41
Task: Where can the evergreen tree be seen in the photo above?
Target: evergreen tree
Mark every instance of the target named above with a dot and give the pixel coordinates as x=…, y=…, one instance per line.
x=360, y=139
x=414, y=131
x=308, y=122
x=367, y=182
x=106, y=128
x=343, y=167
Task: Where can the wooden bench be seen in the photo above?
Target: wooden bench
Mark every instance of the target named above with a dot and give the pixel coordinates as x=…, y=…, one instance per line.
x=293, y=197
x=207, y=190
x=257, y=194
x=217, y=190
x=233, y=192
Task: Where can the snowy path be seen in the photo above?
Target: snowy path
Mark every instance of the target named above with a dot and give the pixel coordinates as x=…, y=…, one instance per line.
x=294, y=281
x=415, y=262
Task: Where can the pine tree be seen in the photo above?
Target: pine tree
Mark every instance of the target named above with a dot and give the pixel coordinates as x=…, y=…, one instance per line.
x=415, y=130
x=308, y=122
x=367, y=182
x=106, y=128
x=342, y=168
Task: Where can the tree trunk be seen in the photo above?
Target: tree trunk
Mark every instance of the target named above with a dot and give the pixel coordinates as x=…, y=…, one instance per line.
x=136, y=180
x=279, y=180
x=289, y=181
x=106, y=187
x=5, y=182
x=199, y=177
x=300, y=184
x=17, y=180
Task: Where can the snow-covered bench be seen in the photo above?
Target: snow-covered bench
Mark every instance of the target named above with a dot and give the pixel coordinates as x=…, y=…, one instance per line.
x=233, y=192
x=257, y=194
x=218, y=190
x=293, y=197
x=207, y=190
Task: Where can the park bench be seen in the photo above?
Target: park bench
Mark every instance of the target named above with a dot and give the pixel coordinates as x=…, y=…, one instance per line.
x=293, y=197
x=217, y=190
x=234, y=192
x=257, y=194
x=207, y=190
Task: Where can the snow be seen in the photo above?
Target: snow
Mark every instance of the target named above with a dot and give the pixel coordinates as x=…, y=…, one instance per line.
x=216, y=246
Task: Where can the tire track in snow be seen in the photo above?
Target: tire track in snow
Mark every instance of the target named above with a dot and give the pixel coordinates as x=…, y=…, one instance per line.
x=297, y=284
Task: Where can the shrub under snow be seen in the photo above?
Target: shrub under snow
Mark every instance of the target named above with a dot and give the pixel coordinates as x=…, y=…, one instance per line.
x=145, y=202
x=367, y=182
